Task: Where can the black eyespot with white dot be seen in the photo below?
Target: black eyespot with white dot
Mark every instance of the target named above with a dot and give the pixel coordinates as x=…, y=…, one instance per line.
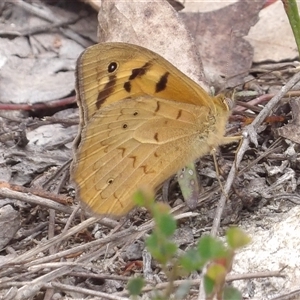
x=124, y=126
x=112, y=67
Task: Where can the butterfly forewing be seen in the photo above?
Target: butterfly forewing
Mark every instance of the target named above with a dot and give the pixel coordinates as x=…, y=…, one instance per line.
x=138, y=71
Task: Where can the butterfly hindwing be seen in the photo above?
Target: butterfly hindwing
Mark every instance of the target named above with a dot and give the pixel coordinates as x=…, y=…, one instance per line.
x=124, y=147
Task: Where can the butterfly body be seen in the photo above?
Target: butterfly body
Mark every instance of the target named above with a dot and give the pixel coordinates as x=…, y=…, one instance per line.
x=141, y=121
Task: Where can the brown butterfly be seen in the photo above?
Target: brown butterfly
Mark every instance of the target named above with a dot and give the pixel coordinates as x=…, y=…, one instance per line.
x=141, y=121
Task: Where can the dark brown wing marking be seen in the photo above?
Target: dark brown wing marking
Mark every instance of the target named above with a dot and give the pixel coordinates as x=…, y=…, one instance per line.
x=107, y=90
x=138, y=72
x=127, y=86
x=162, y=83
x=134, y=160
x=157, y=106
x=179, y=114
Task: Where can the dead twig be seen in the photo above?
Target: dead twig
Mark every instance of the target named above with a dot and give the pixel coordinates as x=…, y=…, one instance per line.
x=38, y=106
x=30, y=192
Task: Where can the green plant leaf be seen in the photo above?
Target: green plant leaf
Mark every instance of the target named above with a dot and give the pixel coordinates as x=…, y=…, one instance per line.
x=183, y=290
x=231, y=293
x=214, y=279
x=209, y=285
x=166, y=224
x=191, y=261
x=143, y=198
x=153, y=245
x=160, y=248
x=236, y=238
x=216, y=272
x=210, y=248
x=135, y=286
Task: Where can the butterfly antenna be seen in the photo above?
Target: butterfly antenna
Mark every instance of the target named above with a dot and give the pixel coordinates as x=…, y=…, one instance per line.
x=218, y=173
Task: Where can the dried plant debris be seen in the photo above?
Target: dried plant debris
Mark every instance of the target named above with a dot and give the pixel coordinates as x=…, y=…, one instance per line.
x=37, y=65
x=291, y=130
x=96, y=4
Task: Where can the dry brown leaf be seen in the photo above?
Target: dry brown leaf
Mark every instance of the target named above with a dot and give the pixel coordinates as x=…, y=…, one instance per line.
x=205, y=6
x=33, y=80
x=154, y=25
x=9, y=223
x=272, y=37
x=219, y=34
x=96, y=4
x=291, y=131
x=37, y=68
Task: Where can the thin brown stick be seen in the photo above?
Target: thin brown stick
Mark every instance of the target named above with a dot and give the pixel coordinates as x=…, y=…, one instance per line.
x=38, y=106
x=289, y=296
x=72, y=288
x=33, y=199
x=38, y=192
x=195, y=282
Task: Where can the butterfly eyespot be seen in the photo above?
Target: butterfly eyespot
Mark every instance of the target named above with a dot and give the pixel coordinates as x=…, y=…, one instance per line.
x=112, y=67
x=110, y=181
x=135, y=113
x=125, y=126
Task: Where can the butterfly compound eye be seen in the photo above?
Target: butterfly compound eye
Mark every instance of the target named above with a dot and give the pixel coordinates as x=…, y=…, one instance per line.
x=112, y=67
x=229, y=102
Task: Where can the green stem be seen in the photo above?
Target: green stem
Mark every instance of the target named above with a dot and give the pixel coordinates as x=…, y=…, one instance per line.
x=291, y=10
